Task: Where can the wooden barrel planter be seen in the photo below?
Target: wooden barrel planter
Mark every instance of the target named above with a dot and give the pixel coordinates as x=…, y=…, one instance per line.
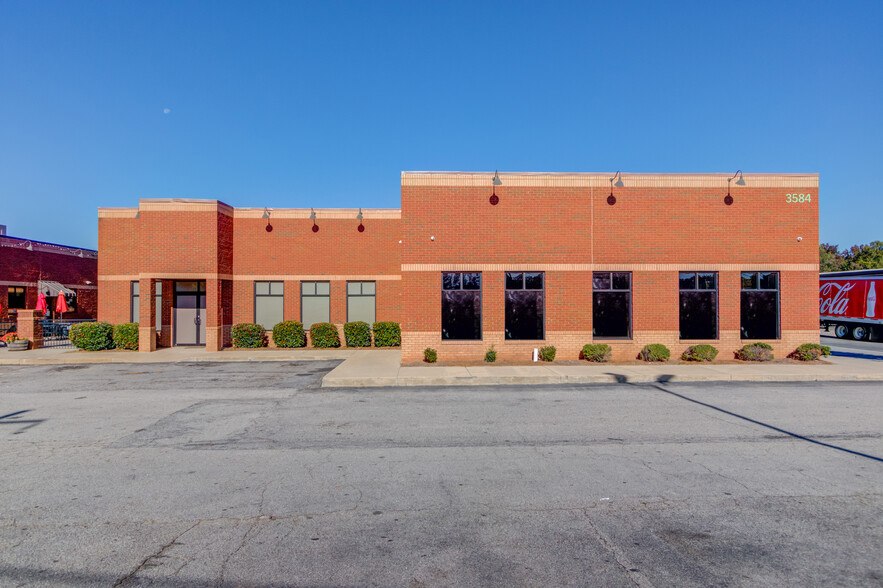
x=18, y=345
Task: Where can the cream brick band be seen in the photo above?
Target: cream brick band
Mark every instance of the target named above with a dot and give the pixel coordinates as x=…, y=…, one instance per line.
x=316, y=277
x=602, y=180
x=602, y=267
x=250, y=277
x=321, y=213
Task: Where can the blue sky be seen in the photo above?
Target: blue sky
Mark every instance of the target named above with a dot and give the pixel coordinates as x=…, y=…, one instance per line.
x=286, y=104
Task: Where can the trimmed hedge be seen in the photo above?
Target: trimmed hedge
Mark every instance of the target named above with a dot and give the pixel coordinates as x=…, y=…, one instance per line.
x=324, y=335
x=756, y=352
x=289, y=334
x=810, y=352
x=92, y=336
x=491, y=355
x=430, y=355
x=654, y=352
x=125, y=336
x=599, y=352
x=700, y=353
x=547, y=353
x=357, y=334
x=249, y=336
x=387, y=334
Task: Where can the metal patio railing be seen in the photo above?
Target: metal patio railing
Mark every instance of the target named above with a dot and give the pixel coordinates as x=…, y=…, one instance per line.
x=56, y=332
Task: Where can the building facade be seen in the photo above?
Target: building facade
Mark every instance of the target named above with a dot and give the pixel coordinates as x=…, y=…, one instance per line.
x=28, y=267
x=517, y=261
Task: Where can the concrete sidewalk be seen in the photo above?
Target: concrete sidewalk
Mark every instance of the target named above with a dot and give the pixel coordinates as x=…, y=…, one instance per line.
x=382, y=369
x=67, y=355
x=377, y=367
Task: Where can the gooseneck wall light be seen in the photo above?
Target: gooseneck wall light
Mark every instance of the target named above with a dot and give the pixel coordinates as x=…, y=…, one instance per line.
x=313, y=218
x=494, y=199
x=266, y=215
x=361, y=226
x=728, y=200
x=611, y=200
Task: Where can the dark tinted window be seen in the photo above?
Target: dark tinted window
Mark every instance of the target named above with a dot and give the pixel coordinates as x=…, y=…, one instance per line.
x=16, y=297
x=760, y=305
x=611, y=304
x=461, y=305
x=698, y=305
x=525, y=305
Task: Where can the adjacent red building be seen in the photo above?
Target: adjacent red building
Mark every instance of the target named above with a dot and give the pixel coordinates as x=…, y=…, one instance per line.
x=28, y=267
x=514, y=260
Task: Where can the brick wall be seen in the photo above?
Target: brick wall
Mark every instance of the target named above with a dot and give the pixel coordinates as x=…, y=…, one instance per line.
x=20, y=267
x=562, y=224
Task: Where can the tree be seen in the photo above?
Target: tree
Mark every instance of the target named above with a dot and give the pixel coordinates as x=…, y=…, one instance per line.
x=857, y=257
x=866, y=256
x=830, y=259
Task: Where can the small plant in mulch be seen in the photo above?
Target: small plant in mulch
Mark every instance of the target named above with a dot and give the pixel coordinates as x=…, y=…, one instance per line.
x=810, y=352
x=289, y=334
x=387, y=334
x=324, y=335
x=125, y=336
x=357, y=334
x=756, y=352
x=248, y=336
x=699, y=353
x=599, y=352
x=491, y=355
x=547, y=353
x=430, y=355
x=654, y=352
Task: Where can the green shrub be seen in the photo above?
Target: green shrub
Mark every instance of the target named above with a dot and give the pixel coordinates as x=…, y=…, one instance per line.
x=430, y=355
x=357, y=334
x=289, y=334
x=699, y=353
x=387, y=334
x=654, y=352
x=491, y=355
x=810, y=351
x=756, y=352
x=599, y=352
x=324, y=335
x=125, y=336
x=92, y=336
x=547, y=353
x=249, y=336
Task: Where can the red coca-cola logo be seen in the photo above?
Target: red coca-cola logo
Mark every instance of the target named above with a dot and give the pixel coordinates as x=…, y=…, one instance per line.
x=833, y=299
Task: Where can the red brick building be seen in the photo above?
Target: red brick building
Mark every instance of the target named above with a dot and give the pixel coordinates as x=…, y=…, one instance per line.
x=535, y=260
x=28, y=266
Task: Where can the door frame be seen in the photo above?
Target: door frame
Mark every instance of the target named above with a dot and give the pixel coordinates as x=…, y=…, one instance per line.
x=200, y=293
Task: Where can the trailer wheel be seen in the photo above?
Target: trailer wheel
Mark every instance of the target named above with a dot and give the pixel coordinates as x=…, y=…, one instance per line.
x=859, y=332
x=841, y=331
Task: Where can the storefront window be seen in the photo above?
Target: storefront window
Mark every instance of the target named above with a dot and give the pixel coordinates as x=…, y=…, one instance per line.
x=461, y=305
x=269, y=302
x=611, y=304
x=525, y=305
x=760, y=305
x=15, y=297
x=698, y=302
x=361, y=302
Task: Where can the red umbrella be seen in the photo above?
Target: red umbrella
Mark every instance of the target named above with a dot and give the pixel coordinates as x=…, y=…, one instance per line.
x=41, y=302
x=61, y=307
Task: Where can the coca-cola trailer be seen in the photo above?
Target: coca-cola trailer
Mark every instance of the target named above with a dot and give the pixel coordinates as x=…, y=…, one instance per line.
x=848, y=302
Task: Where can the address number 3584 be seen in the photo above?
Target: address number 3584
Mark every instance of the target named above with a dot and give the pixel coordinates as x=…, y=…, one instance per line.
x=794, y=198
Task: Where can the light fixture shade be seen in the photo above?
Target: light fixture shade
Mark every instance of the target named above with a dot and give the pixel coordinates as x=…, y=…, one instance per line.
x=312, y=214
x=30, y=247
x=497, y=181
x=266, y=214
x=359, y=216
x=740, y=181
x=619, y=183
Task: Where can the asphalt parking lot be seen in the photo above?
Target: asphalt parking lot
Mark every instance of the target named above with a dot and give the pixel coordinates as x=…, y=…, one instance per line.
x=244, y=474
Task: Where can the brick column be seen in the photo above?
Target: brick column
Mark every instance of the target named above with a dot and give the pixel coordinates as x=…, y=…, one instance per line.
x=147, y=315
x=214, y=336
x=29, y=327
x=168, y=299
